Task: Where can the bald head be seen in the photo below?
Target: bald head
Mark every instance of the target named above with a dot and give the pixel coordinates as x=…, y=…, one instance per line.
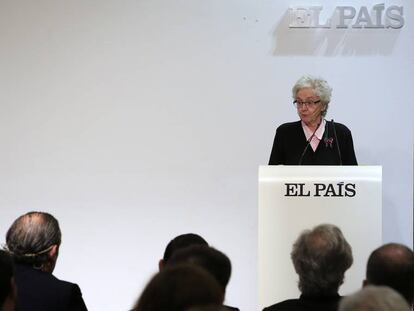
x=32, y=236
x=392, y=265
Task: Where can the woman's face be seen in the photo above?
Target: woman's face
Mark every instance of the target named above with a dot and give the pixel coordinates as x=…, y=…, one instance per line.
x=309, y=106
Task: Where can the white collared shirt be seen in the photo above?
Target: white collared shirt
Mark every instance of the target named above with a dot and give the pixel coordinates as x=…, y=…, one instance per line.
x=318, y=134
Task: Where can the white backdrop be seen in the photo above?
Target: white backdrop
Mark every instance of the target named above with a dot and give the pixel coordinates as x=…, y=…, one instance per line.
x=134, y=121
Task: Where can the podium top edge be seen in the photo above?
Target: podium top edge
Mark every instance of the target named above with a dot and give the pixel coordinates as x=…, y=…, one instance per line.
x=320, y=171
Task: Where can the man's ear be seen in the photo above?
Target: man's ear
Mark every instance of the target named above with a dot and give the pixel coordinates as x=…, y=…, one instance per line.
x=161, y=264
x=54, y=251
x=53, y=255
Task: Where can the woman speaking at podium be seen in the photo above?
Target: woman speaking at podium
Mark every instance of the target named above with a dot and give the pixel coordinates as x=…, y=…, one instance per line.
x=312, y=140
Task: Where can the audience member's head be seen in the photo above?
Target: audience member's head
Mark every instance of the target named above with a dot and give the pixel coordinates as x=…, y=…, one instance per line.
x=320, y=257
x=374, y=298
x=7, y=285
x=180, y=242
x=392, y=265
x=34, y=238
x=178, y=288
x=212, y=260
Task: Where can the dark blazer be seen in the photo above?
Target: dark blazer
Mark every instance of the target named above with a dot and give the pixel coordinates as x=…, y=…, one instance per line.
x=41, y=291
x=290, y=143
x=326, y=303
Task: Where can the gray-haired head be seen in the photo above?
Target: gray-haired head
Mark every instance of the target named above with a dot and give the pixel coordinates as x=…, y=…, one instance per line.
x=320, y=257
x=374, y=298
x=31, y=236
x=320, y=87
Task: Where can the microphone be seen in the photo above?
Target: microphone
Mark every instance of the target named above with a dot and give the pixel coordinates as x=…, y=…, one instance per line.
x=337, y=142
x=308, y=143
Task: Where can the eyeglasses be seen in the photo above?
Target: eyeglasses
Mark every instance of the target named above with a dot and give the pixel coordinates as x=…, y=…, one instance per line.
x=307, y=104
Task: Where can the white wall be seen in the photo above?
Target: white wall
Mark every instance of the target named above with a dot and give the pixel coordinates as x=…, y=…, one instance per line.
x=135, y=121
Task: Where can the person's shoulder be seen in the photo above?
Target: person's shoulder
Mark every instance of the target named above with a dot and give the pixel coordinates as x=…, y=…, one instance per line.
x=69, y=286
x=28, y=274
x=67, y=283
x=289, y=304
x=73, y=295
x=289, y=126
x=59, y=294
x=340, y=127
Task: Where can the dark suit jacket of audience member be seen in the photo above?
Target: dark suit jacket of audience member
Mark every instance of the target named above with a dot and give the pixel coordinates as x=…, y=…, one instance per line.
x=327, y=303
x=41, y=291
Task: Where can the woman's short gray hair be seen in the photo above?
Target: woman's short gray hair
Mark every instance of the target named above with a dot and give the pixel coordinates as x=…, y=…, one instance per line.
x=374, y=298
x=31, y=236
x=320, y=257
x=318, y=85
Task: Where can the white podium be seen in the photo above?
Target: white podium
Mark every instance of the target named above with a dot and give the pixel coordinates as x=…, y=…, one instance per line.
x=295, y=198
